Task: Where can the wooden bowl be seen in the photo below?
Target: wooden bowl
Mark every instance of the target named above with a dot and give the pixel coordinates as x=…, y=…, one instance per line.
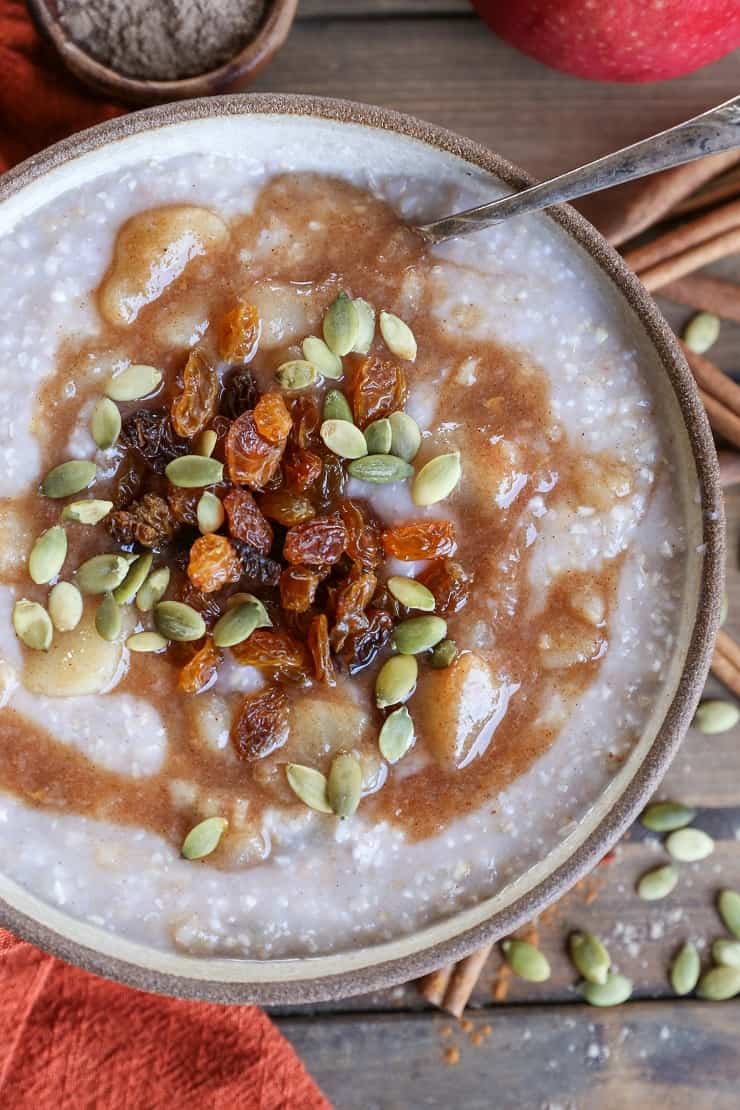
x=234, y=74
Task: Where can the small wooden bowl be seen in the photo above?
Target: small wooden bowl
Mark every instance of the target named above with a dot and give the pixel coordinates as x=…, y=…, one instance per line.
x=234, y=74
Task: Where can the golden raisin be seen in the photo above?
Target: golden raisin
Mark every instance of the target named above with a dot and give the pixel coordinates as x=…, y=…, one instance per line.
x=246, y=521
x=318, y=645
x=349, y=608
x=306, y=420
x=450, y=585
x=298, y=587
x=285, y=507
x=213, y=563
x=196, y=405
x=429, y=539
x=239, y=333
x=252, y=460
x=261, y=726
x=301, y=468
x=272, y=418
x=363, y=540
x=316, y=542
x=200, y=672
x=274, y=651
x=378, y=389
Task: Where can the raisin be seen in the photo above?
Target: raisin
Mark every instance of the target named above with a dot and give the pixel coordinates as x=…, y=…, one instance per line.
x=450, y=585
x=363, y=646
x=261, y=726
x=349, y=608
x=378, y=389
x=213, y=563
x=251, y=459
x=333, y=481
x=200, y=672
x=239, y=393
x=301, y=468
x=298, y=586
x=306, y=419
x=259, y=570
x=239, y=333
x=220, y=425
x=317, y=541
x=196, y=405
x=318, y=645
x=274, y=651
x=183, y=504
x=129, y=480
x=429, y=539
x=210, y=606
x=150, y=433
x=272, y=417
x=364, y=545
x=149, y=522
x=246, y=522
x=286, y=508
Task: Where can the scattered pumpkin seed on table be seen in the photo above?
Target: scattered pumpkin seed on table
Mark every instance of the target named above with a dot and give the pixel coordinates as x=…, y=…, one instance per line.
x=380, y=469
x=194, y=471
x=204, y=838
x=344, y=785
x=436, y=479
x=86, y=512
x=365, y=326
x=657, y=883
x=344, y=439
x=68, y=478
x=236, y=625
x=396, y=680
x=341, y=325
x=701, y=332
x=105, y=423
x=32, y=625
x=318, y=354
x=378, y=437
x=337, y=407
x=685, y=970
x=716, y=716
x=613, y=992
x=108, y=619
x=137, y=575
x=412, y=594
x=146, y=642
x=405, y=436
x=589, y=956
x=728, y=904
x=418, y=634
x=689, y=845
x=209, y=512
x=526, y=960
x=47, y=555
x=65, y=606
x=443, y=655
x=296, y=374
x=398, y=336
x=177, y=621
x=666, y=816
x=726, y=952
x=101, y=573
x=133, y=383
x=153, y=589
x=397, y=735
x=719, y=984
x=309, y=785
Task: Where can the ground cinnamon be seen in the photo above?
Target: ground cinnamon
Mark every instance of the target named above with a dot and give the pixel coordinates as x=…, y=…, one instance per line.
x=707, y=293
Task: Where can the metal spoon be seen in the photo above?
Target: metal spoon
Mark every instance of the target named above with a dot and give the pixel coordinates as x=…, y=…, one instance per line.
x=713, y=131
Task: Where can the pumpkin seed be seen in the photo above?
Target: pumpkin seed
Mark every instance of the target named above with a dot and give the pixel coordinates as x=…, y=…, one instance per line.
x=101, y=573
x=263, y=617
x=396, y=680
x=526, y=961
x=204, y=838
x=701, y=332
x=133, y=383
x=318, y=354
x=310, y=786
x=724, y=609
x=86, y=512
x=378, y=437
x=418, y=634
x=32, y=625
x=341, y=325
x=366, y=326
x=205, y=443
x=589, y=956
x=236, y=625
x=344, y=787
x=436, y=479
x=398, y=336
x=443, y=655
x=343, y=438
x=194, y=471
x=337, y=407
x=380, y=469
x=689, y=845
x=153, y=589
x=411, y=593
x=210, y=513
x=296, y=374
x=728, y=904
x=719, y=984
x=105, y=423
x=397, y=735
x=616, y=990
x=47, y=555
x=685, y=970
x=108, y=619
x=138, y=573
x=146, y=642
x=405, y=435
x=68, y=478
x=666, y=816
x=657, y=883
x=726, y=952
x=716, y=716
x=178, y=621
x=65, y=606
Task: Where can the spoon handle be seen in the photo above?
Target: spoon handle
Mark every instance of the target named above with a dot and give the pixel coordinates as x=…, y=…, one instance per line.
x=713, y=131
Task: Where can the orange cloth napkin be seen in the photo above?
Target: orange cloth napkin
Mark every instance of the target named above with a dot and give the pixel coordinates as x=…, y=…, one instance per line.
x=70, y=1040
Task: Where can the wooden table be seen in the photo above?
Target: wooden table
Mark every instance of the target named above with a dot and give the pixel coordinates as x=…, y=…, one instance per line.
x=434, y=59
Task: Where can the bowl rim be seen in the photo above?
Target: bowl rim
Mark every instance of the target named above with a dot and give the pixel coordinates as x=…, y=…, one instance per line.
x=690, y=684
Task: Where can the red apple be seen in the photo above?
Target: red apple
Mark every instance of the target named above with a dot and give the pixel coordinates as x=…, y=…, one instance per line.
x=618, y=40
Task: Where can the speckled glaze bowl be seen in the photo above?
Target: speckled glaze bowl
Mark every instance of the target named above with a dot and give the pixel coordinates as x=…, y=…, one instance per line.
x=306, y=980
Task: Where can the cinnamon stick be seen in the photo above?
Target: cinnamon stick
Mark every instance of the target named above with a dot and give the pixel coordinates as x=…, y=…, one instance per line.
x=727, y=647
x=687, y=261
x=684, y=236
x=713, y=380
x=463, y=980
x=724, y=422
x=723, y=187
x=729, y=468
x=433, y=986
x=708, y=293
x=723, y=669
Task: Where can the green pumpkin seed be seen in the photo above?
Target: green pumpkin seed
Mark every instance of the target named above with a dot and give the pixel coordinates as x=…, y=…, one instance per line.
x=32, y=625
x=411, y=593
x=205, y=443
x=616, y=990
x=337, y=407
x=344, y=787
x=589, y=956
x=719, y=984
x=47, y=555
x=397, y=735
x=657, y=883
x=153, y=589
x=701, y=332
x=108, y=619
x=724, y=609
x=343, y=438
x=398, y=336
x=296, y=374
x=194, y=471
x=204, y=838
x=685, y=970
x=65, y=606
x=309, y=785
x=396, y=680
x=341, y=325
x=105, y=423
x=726, y=952
x=178, y=621
x=666, y=816
x=146, y=642
x=137, y=575
x=210, y=513
x=263, y=617
x=405, y=436
x=418, y=634
x=237, y=623
x=526, y=961
x=443, y=655
x=378, y=437
x=86, y=512
x=318, y=354
x=436, y=479
x=133, y=383
x=716, y=716
x=689, y=845
x=366, y=326
x=380, y=469
x=68, y=478
x=728, y=904
x=101, y=573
